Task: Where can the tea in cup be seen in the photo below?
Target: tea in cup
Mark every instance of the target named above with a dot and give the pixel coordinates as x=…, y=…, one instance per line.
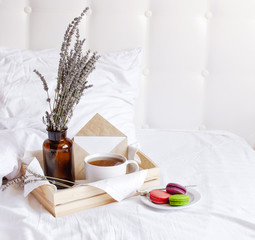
x=106, y=165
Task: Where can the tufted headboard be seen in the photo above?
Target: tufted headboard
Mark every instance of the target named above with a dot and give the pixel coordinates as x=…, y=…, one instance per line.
x=198, y=68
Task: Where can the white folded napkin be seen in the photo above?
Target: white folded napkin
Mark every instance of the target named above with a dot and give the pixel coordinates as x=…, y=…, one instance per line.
x=123, y=186
x=118, y=188
x=35, y=167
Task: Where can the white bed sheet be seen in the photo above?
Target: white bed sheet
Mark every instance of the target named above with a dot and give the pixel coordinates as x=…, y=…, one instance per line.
x=220, y=163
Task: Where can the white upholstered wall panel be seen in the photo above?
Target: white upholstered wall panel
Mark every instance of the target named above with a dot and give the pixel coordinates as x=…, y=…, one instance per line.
x=199, y=55
x=176, y=70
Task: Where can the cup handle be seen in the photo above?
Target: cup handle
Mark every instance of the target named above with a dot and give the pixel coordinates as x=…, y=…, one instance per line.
x=134, y=163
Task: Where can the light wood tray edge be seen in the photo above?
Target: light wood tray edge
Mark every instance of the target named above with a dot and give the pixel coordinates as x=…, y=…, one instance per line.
x=95, y=201
x=60, y=203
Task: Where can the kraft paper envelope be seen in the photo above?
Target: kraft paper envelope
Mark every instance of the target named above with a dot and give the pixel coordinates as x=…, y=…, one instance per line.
x=97, y=136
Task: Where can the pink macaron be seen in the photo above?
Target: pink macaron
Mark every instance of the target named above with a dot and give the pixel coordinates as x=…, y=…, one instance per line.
x=174, y=188
x=159, y=196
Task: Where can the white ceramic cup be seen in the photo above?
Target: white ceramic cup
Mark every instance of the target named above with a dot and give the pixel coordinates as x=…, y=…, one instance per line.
x=94, y=173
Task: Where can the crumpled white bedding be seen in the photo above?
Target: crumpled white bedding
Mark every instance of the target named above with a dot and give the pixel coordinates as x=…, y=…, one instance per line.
x=221, y=164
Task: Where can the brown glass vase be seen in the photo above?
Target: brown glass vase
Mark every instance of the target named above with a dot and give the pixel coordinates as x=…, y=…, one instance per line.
x=58, y=157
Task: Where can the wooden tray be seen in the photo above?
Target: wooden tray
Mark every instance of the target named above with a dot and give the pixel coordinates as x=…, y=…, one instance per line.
x=67, y=201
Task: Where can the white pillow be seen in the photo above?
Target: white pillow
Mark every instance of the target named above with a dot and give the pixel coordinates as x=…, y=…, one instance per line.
x=23, y=100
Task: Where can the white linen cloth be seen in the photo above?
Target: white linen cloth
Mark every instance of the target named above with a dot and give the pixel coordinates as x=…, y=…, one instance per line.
x=221, y=164
x=123, y=186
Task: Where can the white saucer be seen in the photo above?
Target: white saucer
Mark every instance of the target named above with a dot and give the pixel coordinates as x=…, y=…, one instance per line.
x=194, y=197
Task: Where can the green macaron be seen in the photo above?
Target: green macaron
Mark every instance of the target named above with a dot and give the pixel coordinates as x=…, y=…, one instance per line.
x=178, y=199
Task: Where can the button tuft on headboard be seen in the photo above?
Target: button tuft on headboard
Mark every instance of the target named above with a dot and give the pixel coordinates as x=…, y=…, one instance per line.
x=205, y=73
x=27, y=9
x=208, y=15
x=148, y=13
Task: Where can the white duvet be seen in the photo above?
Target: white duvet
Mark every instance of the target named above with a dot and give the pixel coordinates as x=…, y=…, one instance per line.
x=221, y=164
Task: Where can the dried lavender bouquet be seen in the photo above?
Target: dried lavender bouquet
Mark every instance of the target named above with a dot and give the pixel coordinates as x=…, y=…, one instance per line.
x=73, y=71
x=24, y=179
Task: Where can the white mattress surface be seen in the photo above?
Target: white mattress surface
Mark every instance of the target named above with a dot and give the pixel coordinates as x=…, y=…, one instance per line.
x=221, y=164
